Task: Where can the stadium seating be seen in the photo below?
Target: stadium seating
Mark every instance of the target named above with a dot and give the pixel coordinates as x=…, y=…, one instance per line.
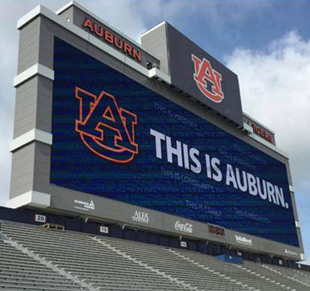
x=19, y=272
x=32, y=258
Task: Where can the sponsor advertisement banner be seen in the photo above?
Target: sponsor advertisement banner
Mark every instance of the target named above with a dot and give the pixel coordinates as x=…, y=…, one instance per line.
x=141, y=216
x=243, y=240
x=183, y=227
x=114, y=138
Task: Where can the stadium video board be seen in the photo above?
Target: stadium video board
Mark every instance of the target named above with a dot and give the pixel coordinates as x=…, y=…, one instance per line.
x=117, y=139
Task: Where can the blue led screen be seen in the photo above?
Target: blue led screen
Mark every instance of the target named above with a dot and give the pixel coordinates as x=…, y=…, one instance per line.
x=115, y=138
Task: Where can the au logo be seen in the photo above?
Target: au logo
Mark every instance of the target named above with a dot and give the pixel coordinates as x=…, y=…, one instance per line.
x=106, y=129
x=208, y=80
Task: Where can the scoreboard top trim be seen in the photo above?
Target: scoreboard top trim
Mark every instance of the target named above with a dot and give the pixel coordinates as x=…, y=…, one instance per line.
x=43, y=11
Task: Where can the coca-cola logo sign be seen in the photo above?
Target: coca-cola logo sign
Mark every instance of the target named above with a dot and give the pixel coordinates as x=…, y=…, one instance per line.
x=184, y=227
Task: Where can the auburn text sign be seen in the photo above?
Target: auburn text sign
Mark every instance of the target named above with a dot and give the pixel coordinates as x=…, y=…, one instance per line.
x=114, y=39
x=111, y=38
x=200, y=75
x=114, y=138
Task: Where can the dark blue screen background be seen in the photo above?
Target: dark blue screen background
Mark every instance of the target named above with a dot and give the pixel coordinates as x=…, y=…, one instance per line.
x=155, y=183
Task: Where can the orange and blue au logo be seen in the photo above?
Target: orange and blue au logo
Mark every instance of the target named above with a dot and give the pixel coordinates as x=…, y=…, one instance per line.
x=106, y=129
x=208, y=80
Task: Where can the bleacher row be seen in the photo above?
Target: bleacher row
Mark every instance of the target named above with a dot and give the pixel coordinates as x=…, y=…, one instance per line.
x=33, y=258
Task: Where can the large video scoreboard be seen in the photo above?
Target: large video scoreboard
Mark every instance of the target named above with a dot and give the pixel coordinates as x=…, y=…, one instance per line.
x=106, y=131
x=117, y=139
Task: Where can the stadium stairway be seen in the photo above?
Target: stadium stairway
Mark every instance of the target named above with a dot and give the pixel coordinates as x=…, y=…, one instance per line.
x=33, y=258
